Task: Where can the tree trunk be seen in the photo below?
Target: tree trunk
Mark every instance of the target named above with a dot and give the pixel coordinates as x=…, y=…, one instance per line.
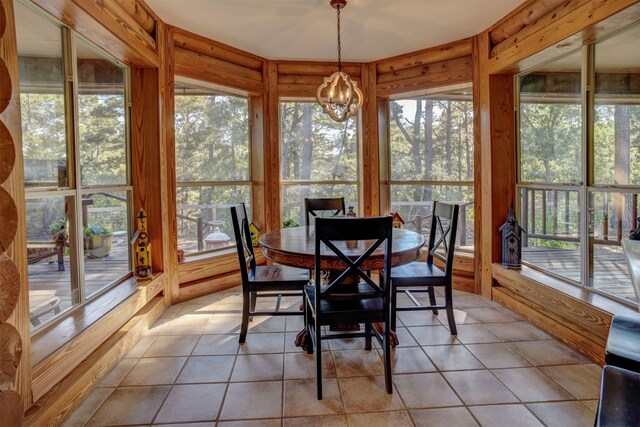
x=622, y=169
x=427, y=192
x=448, y=140
x=307, y=154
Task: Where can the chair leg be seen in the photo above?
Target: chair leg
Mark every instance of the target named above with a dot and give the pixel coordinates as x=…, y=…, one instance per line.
x=387, y=358
x=307, y=329
x=448, y=295
x=367, y=338
x=432, y=299
x=254, y=299
x=393, y=304
x=318, y=359
x=245, y=317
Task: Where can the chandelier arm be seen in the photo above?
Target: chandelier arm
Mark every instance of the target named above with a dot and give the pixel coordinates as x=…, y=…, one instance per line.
x=339, y=47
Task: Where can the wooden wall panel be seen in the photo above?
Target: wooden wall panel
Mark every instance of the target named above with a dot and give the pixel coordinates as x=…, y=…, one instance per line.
x=457, y=49
x=271, y=148
x=370, y=182
x=258, y=195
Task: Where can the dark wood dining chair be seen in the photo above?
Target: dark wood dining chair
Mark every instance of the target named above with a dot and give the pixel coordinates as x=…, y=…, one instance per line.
x=323, y=207
x=423, y=276
x=261, y=280
x=361, y=299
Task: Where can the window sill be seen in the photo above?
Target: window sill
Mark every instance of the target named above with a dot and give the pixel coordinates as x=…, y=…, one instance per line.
x=213, y=264
x=57, y=349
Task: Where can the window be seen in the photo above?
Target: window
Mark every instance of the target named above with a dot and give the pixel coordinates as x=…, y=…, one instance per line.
x=431, y=158
x=579, y=179
x=319, y=158
x=76, y=157
x=212, y=165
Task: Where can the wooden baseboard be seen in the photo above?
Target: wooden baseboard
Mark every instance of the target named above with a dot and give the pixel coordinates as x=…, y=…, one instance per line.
x=208, y=286
x=53, y=407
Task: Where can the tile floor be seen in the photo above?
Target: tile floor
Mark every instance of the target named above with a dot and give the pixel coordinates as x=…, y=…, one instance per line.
x=189, y=370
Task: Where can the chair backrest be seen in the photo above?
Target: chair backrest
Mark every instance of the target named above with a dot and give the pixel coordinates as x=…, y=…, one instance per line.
x=246, y=257
x=322, y=207
x=371, y=233
x=442, y=237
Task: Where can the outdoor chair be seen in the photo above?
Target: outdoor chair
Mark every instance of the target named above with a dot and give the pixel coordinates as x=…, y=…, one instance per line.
x=360, y=300
x=262, y=281
x=419, y=276
x=323, y=207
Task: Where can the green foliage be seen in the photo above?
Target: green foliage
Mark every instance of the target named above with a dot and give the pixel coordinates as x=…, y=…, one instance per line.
x=96, y=229
x=290, y=222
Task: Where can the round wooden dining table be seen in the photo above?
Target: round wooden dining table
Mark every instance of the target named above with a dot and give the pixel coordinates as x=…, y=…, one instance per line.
x=295, y=247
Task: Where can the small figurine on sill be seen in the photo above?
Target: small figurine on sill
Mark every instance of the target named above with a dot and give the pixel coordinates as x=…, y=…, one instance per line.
x=511, y=242
x=142, y=269
x=398, y=222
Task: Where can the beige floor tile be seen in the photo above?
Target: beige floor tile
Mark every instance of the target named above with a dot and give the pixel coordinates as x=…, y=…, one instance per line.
x=141, y=346
x=267, y=324
x=473, y=301
x=272, y=422
x=262, y=343
x=207, y=309
x=130, y=405
x=347, y=344
x=490, y=315
x=301, y=398
x=88, y=407
x=355, y=363
x=452, y=357
x=252, y=400
x=417, y=318
x=432, y=335
x=118, y=373
x=448, y=417
x=204, y=424
x=206, y=299
x=405, y=338
x=475, y=334
x=539, y=332
x=531, y=385
x=294, y=323
x=301, y=365
x=154, y=371
x=322, y=421
x=504, y=415
x=566, y=414
x=380, y=419
x=512, y=331
x=497, y=355
x=409, y=360
x=592, y=405
x=172, y=311
x=582, y=381
x=367, y=394
x=172, y=345
x=189, y=324
x=225, y=308
x=223, y=324
x=258, y=367
x=192, y=402
x=206, y=369
x=425, y=391
x=460, y=316
x=479, y=387
x=542, y=353
x=289, y=342
x=214, y=345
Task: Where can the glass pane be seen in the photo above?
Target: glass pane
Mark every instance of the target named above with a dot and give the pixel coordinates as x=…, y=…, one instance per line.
x=101, y=121
x=551, y=219
x=105, y=222
x=50, y=241
x=432, y=139
x=204, y=218
x=42, y=78
x=212, y=136
x=613, y=216
x=617, y=111
x=414, y=203
x=315, y=147
x=551, y=122
x=293, y=197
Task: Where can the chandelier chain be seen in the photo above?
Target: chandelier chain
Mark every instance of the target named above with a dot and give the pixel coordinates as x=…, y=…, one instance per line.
x=339, y=50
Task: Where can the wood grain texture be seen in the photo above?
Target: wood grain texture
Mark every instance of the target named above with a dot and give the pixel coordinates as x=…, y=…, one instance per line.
x=14, y=185
x=3, y=21
x=448, y=67
x=258, y=195
x=190, y=41
x=52, y=369
x=58, y=403
x=523, y=16
x=10, y=354
x=9, y=287
x=457, y=49
x=271, y=125
x=11, y=409
x=318, y=69
x=583, y=24
x=7, y=152
x=5, y=86
x=210, y=285
x=9, y=219
x=370, y=170
x=479, y=60
x=139, y=14
x=211, y=267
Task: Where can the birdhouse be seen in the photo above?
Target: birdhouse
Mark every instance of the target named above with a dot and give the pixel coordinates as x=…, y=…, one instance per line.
x=255, y=234
x=217, y=239
x=511, y=242
x=398, y=222
x=142, y=269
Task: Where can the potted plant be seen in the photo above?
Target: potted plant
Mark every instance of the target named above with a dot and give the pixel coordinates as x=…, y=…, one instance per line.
x=97, y=240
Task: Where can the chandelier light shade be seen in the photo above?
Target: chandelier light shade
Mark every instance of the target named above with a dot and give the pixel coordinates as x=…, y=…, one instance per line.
x=338, y=95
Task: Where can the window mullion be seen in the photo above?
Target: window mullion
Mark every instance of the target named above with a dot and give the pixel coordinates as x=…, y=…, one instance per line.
x=586, y=216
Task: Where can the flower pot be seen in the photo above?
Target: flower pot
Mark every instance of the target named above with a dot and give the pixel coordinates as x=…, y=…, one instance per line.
x=97, y=245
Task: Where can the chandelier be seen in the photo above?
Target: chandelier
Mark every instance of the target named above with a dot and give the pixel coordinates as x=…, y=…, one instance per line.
x=338, y=95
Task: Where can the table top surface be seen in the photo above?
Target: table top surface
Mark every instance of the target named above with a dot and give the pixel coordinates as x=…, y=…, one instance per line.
x=296, y=247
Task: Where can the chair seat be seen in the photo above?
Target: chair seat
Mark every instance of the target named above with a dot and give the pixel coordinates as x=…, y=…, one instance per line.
x=619, y=398
x=347, y=308
x=417, y=274
x=623, y=343
x=280, y=275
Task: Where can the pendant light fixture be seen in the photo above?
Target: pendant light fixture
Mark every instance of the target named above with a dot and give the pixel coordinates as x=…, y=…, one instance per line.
x=339, y=96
